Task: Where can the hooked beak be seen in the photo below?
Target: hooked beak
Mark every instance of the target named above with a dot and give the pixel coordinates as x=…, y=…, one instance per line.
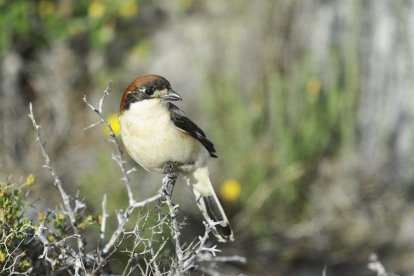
x=172, y=96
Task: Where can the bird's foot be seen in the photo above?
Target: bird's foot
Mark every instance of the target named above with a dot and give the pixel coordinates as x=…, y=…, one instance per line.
x=170, y=167
x=171, y=177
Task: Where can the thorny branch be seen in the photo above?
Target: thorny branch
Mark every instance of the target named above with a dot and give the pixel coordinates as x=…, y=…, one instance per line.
x=69, y=211
x=376, y=266
x=118, y=156
x=168, y=185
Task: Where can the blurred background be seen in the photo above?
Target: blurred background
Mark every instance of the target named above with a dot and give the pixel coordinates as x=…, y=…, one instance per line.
x=309, y=103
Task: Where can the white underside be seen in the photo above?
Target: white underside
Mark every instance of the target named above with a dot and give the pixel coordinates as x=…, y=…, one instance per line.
x=152, y=139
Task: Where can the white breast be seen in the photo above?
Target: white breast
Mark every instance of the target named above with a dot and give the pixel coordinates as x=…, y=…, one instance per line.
x=152, y=139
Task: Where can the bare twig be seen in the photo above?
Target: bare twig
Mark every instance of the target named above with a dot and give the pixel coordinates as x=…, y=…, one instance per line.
x=104, y=217
x=43, y=239
x=124, y=219
x=68, y=210
x=376, y=266
x=118, y=156
x=169, y=182
x=49, y=166
x=222, y=259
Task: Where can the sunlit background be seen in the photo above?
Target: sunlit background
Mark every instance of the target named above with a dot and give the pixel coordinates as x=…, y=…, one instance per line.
x=310, y=105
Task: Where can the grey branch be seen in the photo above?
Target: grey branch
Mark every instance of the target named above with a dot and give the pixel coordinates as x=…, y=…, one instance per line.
x=69, y=211
x=118, y=156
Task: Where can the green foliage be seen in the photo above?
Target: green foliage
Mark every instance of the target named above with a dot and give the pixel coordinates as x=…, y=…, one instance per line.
x=20, y=248
x=273, y=136
x=16, y=230
x=36, y=24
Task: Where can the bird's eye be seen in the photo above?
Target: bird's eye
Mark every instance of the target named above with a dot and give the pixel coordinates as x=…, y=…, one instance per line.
x=147, y=91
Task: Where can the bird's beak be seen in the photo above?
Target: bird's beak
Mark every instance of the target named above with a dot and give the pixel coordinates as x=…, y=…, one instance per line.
x=172, y=96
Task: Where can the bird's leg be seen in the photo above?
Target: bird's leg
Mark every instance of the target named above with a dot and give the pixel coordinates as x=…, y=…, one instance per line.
x=171, y=177
x=169, y=182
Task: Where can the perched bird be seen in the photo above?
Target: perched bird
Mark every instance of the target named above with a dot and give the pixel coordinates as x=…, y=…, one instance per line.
x=155, y=132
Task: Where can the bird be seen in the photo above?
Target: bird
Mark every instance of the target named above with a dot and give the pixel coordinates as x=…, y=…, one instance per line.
x=155, y=132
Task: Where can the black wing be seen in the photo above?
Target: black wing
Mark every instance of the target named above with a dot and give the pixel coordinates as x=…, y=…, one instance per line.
x=186, y=125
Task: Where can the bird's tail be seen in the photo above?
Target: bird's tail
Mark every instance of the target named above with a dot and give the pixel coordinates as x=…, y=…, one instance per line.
x=209, y=204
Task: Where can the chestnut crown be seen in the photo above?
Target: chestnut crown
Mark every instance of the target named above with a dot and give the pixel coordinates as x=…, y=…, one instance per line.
x=147, y=87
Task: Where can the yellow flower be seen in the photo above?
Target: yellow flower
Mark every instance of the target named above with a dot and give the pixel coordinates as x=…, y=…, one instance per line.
x=30, y=180
x=114, y=122
x=314, y=87
x=24, y=264
x=96, y=9
x=86, y=222
x=51, y=237
x=99, y=219
x=186, y=3
x=128, y=8
x=106, y=33
x=46, y=8
x=41, y=216
x=230, y=190
x=2, y=257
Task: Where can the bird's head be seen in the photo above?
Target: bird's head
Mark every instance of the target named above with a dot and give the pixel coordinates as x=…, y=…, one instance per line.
x=145, y=88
